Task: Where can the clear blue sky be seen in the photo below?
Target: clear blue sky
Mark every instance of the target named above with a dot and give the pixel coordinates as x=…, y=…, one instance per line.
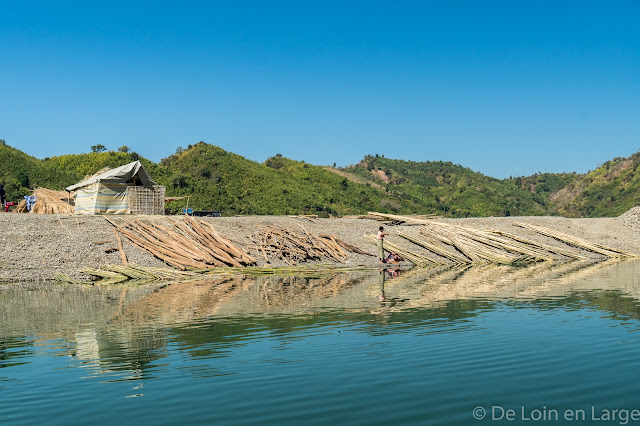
x=502, y=87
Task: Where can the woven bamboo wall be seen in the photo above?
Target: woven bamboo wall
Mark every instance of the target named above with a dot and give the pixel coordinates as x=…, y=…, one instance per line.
x=145, y=200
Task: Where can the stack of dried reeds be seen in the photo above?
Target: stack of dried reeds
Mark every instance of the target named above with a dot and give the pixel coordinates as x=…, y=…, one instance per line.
x=48, y=201
x=294, y=247
x=184, y=243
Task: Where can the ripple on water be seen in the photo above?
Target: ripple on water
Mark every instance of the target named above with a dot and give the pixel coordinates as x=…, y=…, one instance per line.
x=362, y=363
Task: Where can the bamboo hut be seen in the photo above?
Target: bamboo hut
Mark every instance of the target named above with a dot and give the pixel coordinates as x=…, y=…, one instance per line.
x=126, y=189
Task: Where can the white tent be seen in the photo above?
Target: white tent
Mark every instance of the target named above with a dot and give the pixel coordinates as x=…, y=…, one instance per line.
x=125, y=189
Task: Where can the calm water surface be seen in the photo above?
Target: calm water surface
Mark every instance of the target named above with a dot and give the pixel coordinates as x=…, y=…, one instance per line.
x=370, y=348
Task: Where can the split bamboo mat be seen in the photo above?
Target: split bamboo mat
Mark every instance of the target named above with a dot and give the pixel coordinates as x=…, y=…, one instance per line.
x=184, y=243
x=294, y=247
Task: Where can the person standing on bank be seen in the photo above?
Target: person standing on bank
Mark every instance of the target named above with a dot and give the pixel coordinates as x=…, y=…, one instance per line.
x=381, y=235
x=2, y=196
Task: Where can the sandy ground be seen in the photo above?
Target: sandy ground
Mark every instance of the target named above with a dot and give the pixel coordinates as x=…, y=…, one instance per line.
x=37, y=247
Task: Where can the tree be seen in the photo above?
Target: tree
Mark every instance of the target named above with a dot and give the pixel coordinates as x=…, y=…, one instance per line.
x=124, y=149
x=98, y=148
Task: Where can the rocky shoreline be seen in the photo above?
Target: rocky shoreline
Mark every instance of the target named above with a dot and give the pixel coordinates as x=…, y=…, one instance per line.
x=38, y=247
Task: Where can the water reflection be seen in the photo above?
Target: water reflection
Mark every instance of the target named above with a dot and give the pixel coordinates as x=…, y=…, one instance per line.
x=124, y=332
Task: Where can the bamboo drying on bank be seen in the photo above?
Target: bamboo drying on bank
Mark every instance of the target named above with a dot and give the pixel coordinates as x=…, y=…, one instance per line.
x=394, y=219
x=295, y=247
x=411, y=256
x=346, y=245
x=458, y=245
x=479, y=246
x=184, y=243
x=137, y=274
x=577, y=242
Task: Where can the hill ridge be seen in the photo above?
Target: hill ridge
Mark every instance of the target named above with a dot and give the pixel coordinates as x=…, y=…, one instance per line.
x=222, y=180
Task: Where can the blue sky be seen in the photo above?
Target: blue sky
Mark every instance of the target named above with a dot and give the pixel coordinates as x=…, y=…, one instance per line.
x=503, y=87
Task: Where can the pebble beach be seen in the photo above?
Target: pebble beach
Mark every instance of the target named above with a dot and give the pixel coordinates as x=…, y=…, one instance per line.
x=38, y=247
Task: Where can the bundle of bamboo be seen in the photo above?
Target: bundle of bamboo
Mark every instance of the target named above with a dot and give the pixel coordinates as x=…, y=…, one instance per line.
x=337, y=242
x=577, y=242
x=114, y=274
x=294, y=247
x=464, y=245
x=395, y=219
x=48, y=201
x=187, y=243
x=409, y=255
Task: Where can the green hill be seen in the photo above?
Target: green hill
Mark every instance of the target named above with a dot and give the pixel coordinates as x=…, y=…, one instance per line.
x=544, y=184
x=220, y=180
x=451, y=190
x=20, y=173
x=609, y=190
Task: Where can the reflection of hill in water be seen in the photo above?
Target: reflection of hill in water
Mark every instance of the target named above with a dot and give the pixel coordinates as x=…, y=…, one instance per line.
x=126, y=328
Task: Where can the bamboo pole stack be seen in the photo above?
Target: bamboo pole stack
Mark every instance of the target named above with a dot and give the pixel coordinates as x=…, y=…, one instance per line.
x=137, y=274
x=345, y=245
x=577, y=242
x=394, y=219
x=469, y=245
x=186, y=243
x=411, y=256
x=464, y=245
x=295, y=247
x=458, y=245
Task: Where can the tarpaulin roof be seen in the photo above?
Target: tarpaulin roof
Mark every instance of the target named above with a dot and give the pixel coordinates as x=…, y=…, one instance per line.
x=123, y=174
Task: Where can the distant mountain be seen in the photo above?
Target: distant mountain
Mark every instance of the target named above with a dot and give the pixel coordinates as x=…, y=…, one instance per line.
x=216, y=179
x=449, y=189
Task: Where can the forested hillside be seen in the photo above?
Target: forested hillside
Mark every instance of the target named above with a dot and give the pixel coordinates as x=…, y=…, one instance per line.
x=451, y=190
x=220, y=180
x=216, y=179
x=609, y=190
x=20, y=173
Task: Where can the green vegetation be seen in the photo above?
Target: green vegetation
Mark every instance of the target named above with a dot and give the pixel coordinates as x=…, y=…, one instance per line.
x=219, y=180
x=20, y=173
x=449, y=189
x=610, y=190
x=544, y=183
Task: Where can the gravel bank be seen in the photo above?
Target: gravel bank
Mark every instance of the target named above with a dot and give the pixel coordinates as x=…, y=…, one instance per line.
x=37, y=247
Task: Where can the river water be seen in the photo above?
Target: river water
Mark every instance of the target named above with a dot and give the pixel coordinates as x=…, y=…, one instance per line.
x=545, y=344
